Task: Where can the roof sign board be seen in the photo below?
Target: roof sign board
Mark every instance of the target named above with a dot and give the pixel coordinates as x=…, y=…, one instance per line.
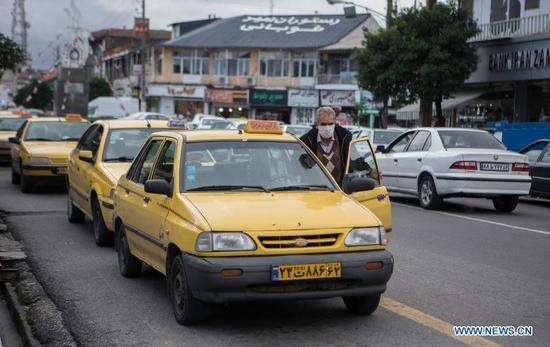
x=288, y=25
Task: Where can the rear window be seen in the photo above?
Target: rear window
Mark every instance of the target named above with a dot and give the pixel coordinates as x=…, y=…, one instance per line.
x=469, y=139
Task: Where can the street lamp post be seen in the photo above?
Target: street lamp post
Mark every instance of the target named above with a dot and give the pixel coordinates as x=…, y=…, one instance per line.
x=386, y=17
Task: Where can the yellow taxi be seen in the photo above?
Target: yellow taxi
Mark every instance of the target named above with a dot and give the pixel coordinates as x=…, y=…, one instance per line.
x=8, y=128
x=232, y=215
x=41, y=147
x=102, y=155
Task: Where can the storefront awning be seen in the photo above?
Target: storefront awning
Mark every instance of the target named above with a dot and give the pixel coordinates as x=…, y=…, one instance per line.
x=411, y=111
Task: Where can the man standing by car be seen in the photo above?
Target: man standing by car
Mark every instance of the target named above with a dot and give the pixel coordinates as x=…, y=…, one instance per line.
x=329, y=141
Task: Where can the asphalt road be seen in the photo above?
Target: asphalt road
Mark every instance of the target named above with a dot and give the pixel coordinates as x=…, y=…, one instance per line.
x=465, y=265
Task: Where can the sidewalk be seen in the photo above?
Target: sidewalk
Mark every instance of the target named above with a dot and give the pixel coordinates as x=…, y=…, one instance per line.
x=9, y=337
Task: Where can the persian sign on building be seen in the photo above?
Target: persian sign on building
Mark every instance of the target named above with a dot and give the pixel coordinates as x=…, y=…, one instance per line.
x=303, y=98
x=287, y=25
x=191, y=92
x=342, y=98
x=265, y=97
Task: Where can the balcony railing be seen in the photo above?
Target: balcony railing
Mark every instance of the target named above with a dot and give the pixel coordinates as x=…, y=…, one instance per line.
x=517, y=27
x=346, y=78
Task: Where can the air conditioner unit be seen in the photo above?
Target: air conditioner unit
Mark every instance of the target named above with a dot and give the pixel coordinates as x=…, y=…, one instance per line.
x=251, y=81
x=223, y=80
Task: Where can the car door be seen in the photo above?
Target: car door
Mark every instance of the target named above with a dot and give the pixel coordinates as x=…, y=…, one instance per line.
x=389, y=160
x=411, y=161
x=362, y=163
x=541, y=175
x=534, y=155
x=138, y=209
x=15, y=148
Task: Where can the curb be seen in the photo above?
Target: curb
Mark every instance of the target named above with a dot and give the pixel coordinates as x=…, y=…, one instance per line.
x=38, y=320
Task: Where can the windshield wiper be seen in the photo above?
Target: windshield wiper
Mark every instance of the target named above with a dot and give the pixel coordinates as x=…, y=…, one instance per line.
x=122, y=159
x=304, y=187
x=40, y=139
x=227, y=187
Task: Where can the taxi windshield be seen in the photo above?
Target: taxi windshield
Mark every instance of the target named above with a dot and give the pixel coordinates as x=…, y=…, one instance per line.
x=123, y=144
x=251, y=166
x=11, y=124
x=55, y=131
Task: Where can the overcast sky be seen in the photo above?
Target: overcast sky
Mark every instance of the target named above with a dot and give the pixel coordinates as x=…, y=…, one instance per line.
x=48, y=19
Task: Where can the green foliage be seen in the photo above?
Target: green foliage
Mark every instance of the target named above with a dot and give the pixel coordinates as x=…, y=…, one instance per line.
x=34, y=95
x=11, y=54
x=99, y=87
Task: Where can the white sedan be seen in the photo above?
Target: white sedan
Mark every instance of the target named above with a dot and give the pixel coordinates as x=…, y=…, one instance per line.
x=436, y=163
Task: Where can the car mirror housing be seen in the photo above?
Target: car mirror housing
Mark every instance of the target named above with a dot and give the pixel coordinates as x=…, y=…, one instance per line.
x=86, y=156
x=157, y=186
x=380, y=149
x=357, y=184
x=14, y=140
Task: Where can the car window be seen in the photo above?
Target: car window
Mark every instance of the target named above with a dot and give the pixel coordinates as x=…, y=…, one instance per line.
x=546, y=157
x=143, y=168
x=92, y=140
x=122, y=145
x=417, y=143
x=533, y=152
x=55, y=131
x=362, y=162
x=384, y=137
x=21, y=129
x=428, y=144
x=165, y=165
x=401, y=143
x=469, y=139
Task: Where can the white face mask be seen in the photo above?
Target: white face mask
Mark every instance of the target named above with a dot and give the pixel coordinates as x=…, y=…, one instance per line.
x=326, y=131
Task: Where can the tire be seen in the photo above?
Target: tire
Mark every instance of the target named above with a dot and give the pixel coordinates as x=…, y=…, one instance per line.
x=74, y=214
x=362, y=305
x=505, y=203
x=187, y=309
x=15, y=177
x=427, y=194
x=102, y=235
x=128, y=264
x=26, y=184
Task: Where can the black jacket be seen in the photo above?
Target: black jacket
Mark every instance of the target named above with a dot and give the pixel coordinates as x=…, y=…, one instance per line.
x=344, y=138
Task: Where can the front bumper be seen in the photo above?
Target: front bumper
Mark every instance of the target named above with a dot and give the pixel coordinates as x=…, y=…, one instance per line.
x=255, y=282
x=482, y=185
x=45, y=170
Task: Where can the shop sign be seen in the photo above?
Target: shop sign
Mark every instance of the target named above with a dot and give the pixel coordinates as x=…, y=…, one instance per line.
x=265, y=97
x=342, y=98
x=226, y=96
x=303, y=98
x=191, y=92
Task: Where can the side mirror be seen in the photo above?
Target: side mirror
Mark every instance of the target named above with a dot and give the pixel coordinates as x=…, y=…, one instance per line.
x=14, y=140
x=86, y=156
x=357, y=184
x=380, y=149
x=157, y=186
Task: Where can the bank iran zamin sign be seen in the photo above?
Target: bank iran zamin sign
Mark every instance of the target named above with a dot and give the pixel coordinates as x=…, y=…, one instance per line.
x=520, y=60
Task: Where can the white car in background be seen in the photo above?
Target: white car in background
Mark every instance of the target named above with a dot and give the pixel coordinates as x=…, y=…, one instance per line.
x=297, y=130
x=377, y=136
x=147, y=115
x=437, y=163
x=203, y=121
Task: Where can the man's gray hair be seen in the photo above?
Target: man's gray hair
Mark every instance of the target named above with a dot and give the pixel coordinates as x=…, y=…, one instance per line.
x=324, y=110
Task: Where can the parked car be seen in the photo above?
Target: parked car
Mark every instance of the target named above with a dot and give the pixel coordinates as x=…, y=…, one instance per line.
x=377, y=136
x=297, y=130
x=538, y=154
x=436, y=163
x=203, y=121
x=148, y=116
x=111, y=107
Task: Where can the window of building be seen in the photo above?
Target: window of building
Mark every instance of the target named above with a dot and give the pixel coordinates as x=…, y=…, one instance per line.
x=232, y=63
x=304, y=65
x=159, y=65
x=274, y=64
x=193, y=62
x=532, y=4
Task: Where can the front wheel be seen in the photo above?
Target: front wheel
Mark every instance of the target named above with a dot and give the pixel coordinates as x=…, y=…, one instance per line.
x=362, y=305
x=15, y=177
x=102, y=235
x=187, y=309
x=26, y=184
x=128, y=264
x=505, y=203
x=427, y=194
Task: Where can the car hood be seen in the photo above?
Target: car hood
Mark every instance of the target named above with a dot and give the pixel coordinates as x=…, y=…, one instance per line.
x=50, y=149
x=236, y=211
x=115, y=170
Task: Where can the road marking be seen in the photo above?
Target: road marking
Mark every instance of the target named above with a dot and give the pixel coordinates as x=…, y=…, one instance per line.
x=511, y=226
x=433, y=323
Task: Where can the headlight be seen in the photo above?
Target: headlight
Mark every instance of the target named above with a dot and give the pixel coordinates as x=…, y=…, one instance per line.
x=39, y=161
x=209, y=242
x=366, y=237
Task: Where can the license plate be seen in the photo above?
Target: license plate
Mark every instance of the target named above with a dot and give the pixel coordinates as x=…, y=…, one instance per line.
x=306, y=271
x=494, y=167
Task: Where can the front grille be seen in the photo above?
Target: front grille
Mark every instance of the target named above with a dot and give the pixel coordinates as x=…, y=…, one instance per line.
x=320, y=240
x=62, y=161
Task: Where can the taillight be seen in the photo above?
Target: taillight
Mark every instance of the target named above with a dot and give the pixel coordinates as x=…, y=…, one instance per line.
x=464, y=165
x=520, y=167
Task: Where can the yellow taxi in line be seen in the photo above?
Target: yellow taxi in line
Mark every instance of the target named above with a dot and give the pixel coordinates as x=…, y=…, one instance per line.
x=8, y=128
x=41, y=147
x=232, y=215
x=102, y=155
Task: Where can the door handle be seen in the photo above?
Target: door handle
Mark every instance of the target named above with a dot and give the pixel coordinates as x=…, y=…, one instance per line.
x=418, y=159
x=146, y=199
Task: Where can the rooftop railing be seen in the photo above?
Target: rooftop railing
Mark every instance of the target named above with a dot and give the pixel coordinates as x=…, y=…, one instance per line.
x=517, y=27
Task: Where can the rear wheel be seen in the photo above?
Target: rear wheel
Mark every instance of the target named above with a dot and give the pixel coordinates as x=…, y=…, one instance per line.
x=102, y=235
x=187, y=309
x=505, y=203
x=128, y=264
x=427, y=194
x=362, y=305
x=74, y=214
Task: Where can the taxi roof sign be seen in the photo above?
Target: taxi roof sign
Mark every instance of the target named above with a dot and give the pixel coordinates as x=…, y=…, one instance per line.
x=73, y=117
x=263, y=127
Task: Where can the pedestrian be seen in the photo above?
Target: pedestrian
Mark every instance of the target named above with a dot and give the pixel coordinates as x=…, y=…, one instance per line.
x=329, y=141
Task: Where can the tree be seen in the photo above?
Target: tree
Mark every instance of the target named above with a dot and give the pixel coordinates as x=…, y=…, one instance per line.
x=11, y=54
x=35, y=95
x=99, y=87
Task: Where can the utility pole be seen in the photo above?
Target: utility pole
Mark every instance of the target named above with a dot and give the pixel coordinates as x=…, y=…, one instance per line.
x=19, y=26
x=389, y=10
x=143, y=56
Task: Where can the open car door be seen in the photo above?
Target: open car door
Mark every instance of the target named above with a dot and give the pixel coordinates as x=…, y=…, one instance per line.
x=362, y=163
